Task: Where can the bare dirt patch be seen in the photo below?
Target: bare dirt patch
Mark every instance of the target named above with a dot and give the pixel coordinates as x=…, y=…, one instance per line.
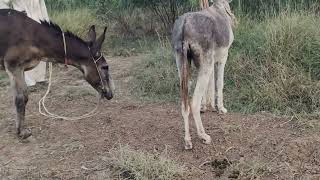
x=260, y=146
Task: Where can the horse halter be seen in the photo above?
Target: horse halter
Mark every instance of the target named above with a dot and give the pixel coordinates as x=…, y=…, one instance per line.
x=95, y=63
x=94, y=60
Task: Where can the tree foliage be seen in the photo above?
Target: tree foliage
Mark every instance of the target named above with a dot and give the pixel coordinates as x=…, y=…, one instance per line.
x=257, y=8
x=165, y=10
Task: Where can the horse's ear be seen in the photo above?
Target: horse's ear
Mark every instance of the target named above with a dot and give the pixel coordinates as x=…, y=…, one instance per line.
x=100, y=40
x=92, y=34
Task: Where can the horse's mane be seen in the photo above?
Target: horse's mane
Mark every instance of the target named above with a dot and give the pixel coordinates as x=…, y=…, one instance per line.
x=58, y=29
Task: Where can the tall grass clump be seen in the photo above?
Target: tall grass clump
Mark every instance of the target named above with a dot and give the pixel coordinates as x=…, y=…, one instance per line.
x=144, y=166
x=155, y=77
x=274, y=66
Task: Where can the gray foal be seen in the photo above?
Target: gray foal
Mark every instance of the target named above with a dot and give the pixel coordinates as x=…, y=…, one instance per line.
x=203, y=38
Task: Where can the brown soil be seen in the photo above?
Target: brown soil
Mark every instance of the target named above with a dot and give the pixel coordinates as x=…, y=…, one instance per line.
x=260, y=146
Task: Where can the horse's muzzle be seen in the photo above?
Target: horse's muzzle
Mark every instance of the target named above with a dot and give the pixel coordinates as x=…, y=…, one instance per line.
x=107, y=94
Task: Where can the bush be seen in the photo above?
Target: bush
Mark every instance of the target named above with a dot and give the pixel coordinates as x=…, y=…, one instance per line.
x=78, y=21
x=138, y=17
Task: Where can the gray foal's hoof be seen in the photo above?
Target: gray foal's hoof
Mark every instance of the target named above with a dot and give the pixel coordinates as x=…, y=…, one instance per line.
x=24, y=134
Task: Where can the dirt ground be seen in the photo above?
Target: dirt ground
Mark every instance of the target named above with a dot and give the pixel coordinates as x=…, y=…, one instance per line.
x=260, y=146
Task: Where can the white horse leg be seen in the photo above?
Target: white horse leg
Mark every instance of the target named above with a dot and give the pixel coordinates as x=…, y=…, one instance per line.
x=202, y=83
x=209, y=97
x=211, y=93
x=222, y=58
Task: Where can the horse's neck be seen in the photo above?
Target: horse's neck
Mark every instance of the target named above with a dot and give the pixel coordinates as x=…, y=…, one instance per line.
x=53, y=46
x=55, y=49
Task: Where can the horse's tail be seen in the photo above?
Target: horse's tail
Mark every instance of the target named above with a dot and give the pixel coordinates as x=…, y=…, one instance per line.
x=184, y=69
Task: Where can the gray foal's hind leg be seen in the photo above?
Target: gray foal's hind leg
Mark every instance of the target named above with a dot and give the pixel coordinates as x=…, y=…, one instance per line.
x=20, y=90
x=199, y=92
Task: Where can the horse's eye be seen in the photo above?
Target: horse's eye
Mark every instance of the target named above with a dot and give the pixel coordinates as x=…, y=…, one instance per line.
x=105, y=67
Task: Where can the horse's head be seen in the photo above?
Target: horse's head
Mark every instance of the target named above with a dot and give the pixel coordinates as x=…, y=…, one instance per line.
x=225, y=7
x=96, y=70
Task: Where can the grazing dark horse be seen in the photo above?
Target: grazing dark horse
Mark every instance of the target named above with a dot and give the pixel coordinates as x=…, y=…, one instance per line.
x=25, y=42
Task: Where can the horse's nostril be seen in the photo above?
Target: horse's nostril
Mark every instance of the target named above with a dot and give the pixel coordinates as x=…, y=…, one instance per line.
x=108, y=95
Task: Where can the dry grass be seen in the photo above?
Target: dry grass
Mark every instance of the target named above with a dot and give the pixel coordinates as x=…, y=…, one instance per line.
x=144, y=166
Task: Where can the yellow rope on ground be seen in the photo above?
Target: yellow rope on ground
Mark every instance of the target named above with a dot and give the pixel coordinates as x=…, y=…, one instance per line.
x=47, y=113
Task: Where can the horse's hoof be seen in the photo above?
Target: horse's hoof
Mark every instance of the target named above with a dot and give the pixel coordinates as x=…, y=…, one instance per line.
x=206, y=139
x=214, y=108
x=222, y=110
x=25, y=133
x=203, y=109
x=188, y=144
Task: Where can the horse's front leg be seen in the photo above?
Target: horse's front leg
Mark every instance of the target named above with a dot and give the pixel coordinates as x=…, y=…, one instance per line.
x=20, y=99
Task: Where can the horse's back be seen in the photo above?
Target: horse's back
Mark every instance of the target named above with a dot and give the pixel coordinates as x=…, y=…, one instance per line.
x=15, y=27
x=10, y=13
x=15, y=21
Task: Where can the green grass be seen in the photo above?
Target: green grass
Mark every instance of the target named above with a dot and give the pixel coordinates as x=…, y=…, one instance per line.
x=77, y=21
x=4, y=79
x=144, y=166
x=125, y=46
x=156, y=78
x=273, y=66
x=64, y=5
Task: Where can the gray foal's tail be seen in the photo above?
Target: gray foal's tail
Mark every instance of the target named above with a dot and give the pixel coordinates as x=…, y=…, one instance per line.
x=184, y=70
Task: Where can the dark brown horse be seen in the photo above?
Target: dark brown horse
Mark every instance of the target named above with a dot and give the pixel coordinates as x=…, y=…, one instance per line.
x=24, y=43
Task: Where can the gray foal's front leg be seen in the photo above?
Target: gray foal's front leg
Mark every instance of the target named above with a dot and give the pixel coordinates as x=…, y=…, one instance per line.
x=20, y=96
x=220, y=81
